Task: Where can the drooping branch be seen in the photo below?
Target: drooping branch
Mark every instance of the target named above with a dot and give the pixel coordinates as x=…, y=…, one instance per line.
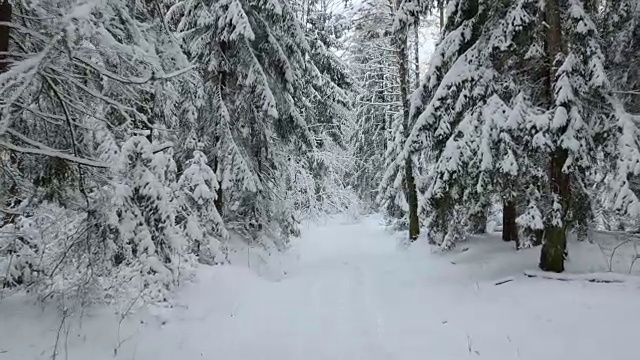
x=53, y=153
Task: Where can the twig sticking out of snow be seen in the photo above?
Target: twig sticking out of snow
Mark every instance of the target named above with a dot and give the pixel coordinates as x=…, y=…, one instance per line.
x=623, y=238
x=65, y=315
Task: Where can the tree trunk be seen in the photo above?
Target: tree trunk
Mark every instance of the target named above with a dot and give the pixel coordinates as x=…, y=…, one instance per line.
x=5, y=17
x=219, y=201
x=509, y=226
x=412, y=199
x=410, y=184
x=441, y=12
x=554, y=247
x=416, y=54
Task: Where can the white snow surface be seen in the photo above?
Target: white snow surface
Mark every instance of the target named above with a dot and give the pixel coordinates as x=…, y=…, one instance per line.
x=347, y=290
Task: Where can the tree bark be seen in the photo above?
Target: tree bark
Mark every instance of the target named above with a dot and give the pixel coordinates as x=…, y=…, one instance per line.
x=554, y=247
x=410, y=184
x=5, y=17
x=219, y=201
x=412, y=199
x=441, y=12
x=553, y=250
x=416, y=54
x=509, y=226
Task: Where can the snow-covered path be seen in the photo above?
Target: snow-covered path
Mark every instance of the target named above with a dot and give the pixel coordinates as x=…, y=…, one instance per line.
x=354, y=295
x=349, y=292
x=327, y=306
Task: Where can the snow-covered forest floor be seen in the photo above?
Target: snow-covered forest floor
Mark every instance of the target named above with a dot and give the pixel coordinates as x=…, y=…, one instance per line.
x=347, y=290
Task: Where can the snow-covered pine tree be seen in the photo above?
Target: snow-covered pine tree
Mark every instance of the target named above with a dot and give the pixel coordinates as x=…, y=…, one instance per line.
x=561, y=121
x=620, y=24
x=203, y=226
x=582, y=113
x=398, y=184
x=83, y=76
x=263, y=90
x=406, y=13
x=468, y=118
x=143, y=217
x=372, y=62
x=447, y=112
x=331, y=110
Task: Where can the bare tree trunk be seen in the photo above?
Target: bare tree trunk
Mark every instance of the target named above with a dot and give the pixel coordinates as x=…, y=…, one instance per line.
x=509, y=226
x=219, y=200
x=416, y=54
x=5, y=17
x=412, y=197
x=410, y=184
x=441, y=4
x=216, y=159
x=555, y=243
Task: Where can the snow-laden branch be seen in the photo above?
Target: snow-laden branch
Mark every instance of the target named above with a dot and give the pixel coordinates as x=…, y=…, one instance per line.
x=53, y=153
x=132, y=80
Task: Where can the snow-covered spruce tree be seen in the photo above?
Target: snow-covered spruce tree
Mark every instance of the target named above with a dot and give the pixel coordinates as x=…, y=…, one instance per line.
x=562, y=121
x=530, y=164
x=565, y=120
x=448, y=117
x=470, y=118
x=312, y=180
x=85, y=77
x=263, y=90
x=620, y=24
x=406, y=13
x=399, y=176
x=204, y=227
x=144, y=215
x=372, y=62
x=330, y=161
x=582, y=113
x=498, y=167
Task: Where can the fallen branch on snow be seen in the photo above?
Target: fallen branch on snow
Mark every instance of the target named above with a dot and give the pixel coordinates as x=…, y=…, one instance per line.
x=503, y=281
x=607, y=278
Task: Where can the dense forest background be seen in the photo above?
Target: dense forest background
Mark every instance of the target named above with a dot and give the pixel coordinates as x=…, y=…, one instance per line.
x=140, y=138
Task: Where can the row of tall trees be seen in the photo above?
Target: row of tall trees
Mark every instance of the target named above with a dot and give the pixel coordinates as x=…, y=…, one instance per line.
x=384, y=58
x=140, y=137
x=530, y=105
